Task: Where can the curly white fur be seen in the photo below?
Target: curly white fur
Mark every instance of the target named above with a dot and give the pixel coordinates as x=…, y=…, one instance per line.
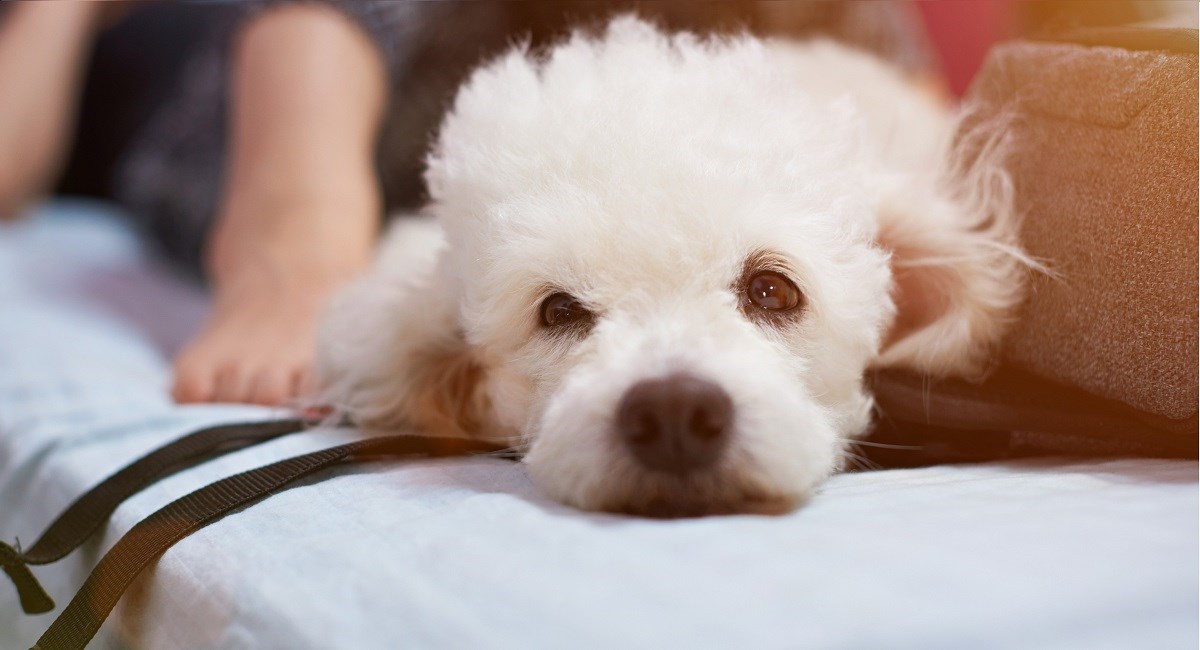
x=639, y=171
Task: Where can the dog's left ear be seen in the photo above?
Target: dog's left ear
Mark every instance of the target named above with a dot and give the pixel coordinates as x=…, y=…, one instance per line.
x=957, y=280
x=390, y=353
x=447, y=395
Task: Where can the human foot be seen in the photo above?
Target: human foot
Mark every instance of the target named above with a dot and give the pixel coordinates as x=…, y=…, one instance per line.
x=273, y=267
x=257, y=345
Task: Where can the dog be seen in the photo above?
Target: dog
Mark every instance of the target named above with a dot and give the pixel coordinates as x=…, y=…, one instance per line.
x=662, y=264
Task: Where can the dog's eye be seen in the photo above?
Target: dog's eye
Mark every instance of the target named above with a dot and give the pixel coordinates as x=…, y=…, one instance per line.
x=773, y=292
x=563, y=309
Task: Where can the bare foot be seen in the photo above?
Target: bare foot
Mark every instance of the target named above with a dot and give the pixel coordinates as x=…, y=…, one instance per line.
x=258, y=343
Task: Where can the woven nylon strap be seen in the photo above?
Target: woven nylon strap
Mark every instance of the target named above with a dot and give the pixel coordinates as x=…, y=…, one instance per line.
x=90, y=511
x=1051, y=417
x=151, y=537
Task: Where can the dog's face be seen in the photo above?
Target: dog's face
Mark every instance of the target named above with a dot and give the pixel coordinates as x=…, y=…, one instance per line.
x=687, y=345
x=664, y=274
x=674, y=310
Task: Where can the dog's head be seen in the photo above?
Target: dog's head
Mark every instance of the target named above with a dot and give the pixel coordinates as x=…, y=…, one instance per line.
x=663, y=263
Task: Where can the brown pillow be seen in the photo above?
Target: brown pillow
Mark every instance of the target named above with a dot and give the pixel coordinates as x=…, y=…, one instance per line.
x=1103, y=360
x=1105, y=169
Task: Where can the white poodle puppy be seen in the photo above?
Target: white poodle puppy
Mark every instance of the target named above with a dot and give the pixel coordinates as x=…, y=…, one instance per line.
x=661, y=264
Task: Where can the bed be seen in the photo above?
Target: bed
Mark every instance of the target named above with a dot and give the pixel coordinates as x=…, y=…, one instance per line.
x=464, y=553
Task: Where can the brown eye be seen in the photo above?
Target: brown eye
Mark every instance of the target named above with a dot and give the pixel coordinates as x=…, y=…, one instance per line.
x=563, y=309
x=773, y=292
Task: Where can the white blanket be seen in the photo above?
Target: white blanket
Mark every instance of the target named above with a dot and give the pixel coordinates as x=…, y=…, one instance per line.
x=466, y=553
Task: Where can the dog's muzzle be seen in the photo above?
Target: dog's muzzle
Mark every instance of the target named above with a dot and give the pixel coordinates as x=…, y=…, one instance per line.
x=676, y=424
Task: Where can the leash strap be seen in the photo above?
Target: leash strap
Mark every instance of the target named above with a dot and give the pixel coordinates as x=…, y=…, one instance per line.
x=1021, y=412
x=89, y=512
x=151, y=537
x=1006, y=404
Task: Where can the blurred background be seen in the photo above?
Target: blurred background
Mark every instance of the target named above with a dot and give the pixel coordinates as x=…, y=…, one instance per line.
x=124, y=85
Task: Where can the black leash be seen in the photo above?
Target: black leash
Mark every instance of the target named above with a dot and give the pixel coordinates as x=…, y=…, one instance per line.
x=89, y=512
x=151, y=537
x=948, y=421
x=1014, y=414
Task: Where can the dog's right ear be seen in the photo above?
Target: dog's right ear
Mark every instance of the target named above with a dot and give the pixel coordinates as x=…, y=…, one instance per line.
x=958, y=268
x=390, y=353
x=959, y=273
x=954, y=289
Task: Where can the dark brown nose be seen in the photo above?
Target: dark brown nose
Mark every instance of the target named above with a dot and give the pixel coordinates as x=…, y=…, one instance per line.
x=676, y=424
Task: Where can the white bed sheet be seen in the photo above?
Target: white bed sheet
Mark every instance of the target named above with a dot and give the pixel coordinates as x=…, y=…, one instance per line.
x=466, y=554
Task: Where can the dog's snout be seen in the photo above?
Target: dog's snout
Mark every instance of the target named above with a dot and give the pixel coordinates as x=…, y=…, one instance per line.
x=675, y=424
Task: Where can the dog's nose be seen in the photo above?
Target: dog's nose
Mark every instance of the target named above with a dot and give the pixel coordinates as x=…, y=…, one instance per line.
x=675, y=424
